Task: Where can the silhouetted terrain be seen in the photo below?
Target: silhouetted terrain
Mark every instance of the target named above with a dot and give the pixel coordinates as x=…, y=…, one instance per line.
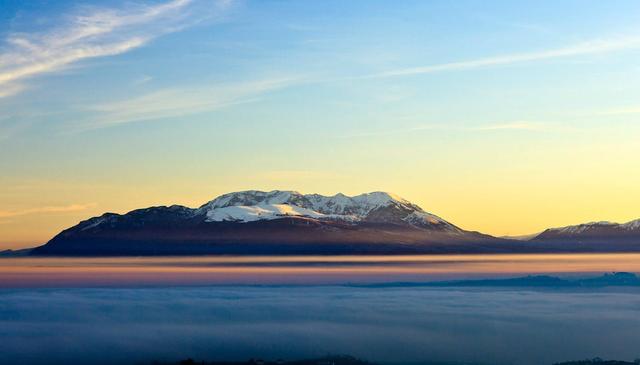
x=15, y=253
x=349, y=360
x=541, y=281
x=598, y=361
x=328, y=360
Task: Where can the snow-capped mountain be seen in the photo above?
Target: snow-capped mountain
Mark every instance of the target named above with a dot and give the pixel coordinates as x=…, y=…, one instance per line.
x=258, y=222
x=289, y=223
x=604, y=231
x=631, y=226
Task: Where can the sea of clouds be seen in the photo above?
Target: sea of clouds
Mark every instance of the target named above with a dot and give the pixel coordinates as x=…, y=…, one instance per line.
x=501, y=326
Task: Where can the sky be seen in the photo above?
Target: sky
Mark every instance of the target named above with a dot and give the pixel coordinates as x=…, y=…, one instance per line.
x=502, y=117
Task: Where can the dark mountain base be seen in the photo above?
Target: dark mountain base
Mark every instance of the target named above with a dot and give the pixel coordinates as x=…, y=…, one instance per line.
x=120, y=247
x=297, y=236
x=286, y=236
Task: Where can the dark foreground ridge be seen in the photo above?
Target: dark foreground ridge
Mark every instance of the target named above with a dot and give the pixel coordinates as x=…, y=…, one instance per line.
x=327, y=360
x=15, y=253
x=350, y=360
x=617, y=279
x=599, y=361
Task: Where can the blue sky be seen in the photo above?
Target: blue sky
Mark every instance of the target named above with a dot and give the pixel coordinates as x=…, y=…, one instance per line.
x=473, y=109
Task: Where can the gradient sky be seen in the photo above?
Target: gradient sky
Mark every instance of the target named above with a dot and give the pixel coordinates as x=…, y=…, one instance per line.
x=499, y=116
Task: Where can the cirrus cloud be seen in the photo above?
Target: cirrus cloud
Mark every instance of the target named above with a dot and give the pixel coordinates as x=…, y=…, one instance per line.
x=592, y=47
x=180, y=101
x=46, y=209
x=92, y=33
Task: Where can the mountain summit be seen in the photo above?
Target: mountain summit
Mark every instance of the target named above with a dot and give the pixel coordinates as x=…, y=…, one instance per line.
x=377, y=207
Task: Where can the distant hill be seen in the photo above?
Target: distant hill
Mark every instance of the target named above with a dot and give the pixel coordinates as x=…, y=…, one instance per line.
x=618, y=279
x=601, y=233
x=15, y=253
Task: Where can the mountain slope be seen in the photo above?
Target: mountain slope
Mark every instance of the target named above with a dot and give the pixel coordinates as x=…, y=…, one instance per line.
x=276, y=222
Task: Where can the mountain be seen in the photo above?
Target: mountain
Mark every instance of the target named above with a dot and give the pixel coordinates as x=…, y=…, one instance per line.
x=289, y=223
x=275, y=222
x=599, y=234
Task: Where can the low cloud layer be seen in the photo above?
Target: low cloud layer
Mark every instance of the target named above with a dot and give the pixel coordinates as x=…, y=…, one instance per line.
x=383, y=325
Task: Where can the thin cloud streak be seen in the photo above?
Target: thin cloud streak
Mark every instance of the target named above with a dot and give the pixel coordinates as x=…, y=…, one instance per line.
x=11, y=89
x=299, y=175
x=623, y=111
x=587, y=48
x=96, y=33
x=524, y=126
x=177, y=102
x=47, y=209
x=518, y=125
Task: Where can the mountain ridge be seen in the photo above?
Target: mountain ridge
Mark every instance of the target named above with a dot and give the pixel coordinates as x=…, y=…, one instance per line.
x=259, y=222
x=283, y=222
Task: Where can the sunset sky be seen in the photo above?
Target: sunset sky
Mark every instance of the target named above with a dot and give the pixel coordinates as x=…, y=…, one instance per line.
x=497, y=117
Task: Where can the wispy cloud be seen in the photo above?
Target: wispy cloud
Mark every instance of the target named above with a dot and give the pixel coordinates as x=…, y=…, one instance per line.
x=178, y=102
x=90, y=33
x=142, y=80
x=597, y=46
x=524, y=126
x=298, y=175
x=620, y=111
x=46, y=209
x=517, y=125
x=10, y=89
x=10, y=126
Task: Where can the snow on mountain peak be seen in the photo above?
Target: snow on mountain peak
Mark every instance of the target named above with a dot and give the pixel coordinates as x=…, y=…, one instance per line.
x=252, y=197
x=379, y=198
x=593, y=227
x=580, y=228
x=336, y=204
x=632, y=225
x=376, y=206
x=245, y=213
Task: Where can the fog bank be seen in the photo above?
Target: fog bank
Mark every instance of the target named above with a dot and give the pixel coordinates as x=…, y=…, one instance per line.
x=380, y=324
